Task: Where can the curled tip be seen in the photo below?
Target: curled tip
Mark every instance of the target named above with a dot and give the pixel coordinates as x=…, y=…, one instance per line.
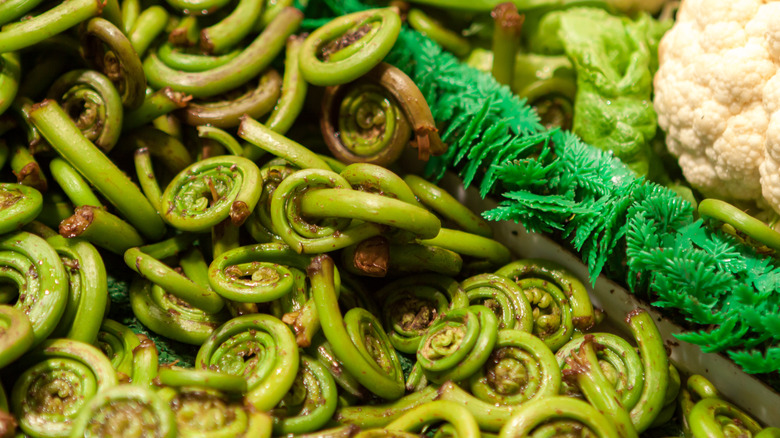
x=239, y=212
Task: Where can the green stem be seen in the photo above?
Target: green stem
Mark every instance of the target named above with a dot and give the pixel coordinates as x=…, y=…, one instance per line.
x=448, y=207
x=179, y=59
x=101, y=228
x=471, y=245
x=294, y=88
x=156, y=104
x=372, y=416
x=228, y=32
x=549, y=410
x=72, y=183
x=436, y=411
x=146, y=178
x=56, y=20
x=150, y=267
x=307, y=237
x=104, y=175
x=149, y=24
x=10, y=74
x=228, y=113
x=508, y=24
x=369, y=207
x=375, y=366
x=264, y=138
x=449, y=40
x=743, y=222
x=220, y=136
x=254, y=59
x=656, y=366
x=145, y=362
x=88, y=288
x=26, y=168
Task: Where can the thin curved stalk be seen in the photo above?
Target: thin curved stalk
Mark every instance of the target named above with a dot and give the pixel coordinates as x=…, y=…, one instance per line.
x=375, y=366
x=254, y=59
x=102, y=173
x=294, y=89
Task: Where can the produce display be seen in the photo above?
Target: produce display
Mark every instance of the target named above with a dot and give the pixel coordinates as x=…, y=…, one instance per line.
x=207, y=231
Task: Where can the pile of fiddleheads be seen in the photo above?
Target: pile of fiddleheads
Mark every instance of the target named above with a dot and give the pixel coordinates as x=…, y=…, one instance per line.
x=318, y=296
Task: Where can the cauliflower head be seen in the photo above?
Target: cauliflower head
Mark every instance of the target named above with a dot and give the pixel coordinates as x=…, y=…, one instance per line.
x=717, y=95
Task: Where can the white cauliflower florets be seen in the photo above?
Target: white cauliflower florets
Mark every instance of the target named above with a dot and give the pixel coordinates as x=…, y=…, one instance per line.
x=717, y=95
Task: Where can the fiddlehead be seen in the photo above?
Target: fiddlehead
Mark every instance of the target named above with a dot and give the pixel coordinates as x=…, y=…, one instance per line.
x=169, y=316
x=294, y=89
x=412, y=304
x=481, y=253
x=519, y=369
x=714, y=417
x=349, y=46
x=586, y=372
x=458, y=344
x=62, y=376
x=504, y=297
x=311, y=401
x=301, y=234
x=372, y=119
x=118, y=342
x=19, y=205
x=93, y=103
x=35, y=269
x=571, y=415
x=120, y=63
x=87, y=286
x=619, y=362
x=357, y=338
x=259, y=347
x=257, y=273
x=16, y=335
x=229, y=31
x=128, y=411
x=210, y=191
x=201, y=405
x=582, y=313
